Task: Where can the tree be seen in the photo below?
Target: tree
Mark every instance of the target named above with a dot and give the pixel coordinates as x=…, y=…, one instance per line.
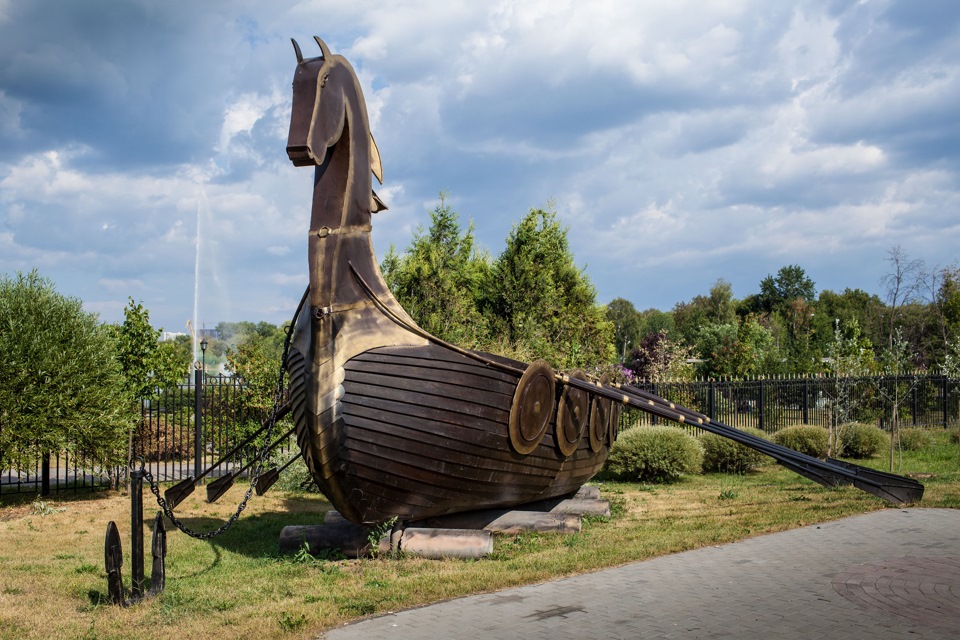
x=736, y=349
x=901, y=284
x=61, y=386
x=896, y=383
x=951, y=369
x=440, y=278
x=627, y=323
x=654, y=321
x=790, y=283
x=853, y=305
x=717, y=308
x=849, y=357
x=542, y=302
x=658, y=358
x=147, y=364
x=256, y=361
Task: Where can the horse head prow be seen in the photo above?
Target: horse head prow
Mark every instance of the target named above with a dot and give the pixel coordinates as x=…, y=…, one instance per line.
x=327, y=101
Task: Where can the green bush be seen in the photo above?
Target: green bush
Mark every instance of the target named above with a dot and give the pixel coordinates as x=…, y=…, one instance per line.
x=860, y=440
x=805, y=438
x=654, y=454
x=726, y=456
x=914, y=439
x=296, y=478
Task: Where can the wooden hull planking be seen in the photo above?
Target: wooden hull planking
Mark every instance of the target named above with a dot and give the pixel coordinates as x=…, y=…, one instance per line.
x=421, y=431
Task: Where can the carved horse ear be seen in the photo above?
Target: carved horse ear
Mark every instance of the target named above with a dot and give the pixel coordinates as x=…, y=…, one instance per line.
x=323, y=48
x=296, y=48
x=375, y=165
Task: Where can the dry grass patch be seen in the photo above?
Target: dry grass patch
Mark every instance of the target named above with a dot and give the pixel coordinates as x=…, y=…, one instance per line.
x=52, y=582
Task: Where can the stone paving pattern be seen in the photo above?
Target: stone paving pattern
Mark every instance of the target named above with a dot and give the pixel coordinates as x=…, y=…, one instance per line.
x=879, y=576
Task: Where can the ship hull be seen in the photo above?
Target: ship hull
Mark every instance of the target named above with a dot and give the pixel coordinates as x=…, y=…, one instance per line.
x=421, y=431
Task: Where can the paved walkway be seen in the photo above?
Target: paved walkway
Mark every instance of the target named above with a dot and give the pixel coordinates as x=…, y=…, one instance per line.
x=884, y=575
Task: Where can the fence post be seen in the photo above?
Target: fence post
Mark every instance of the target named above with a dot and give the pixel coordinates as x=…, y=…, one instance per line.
x=914, y=401
x=45, y=475
x=806, y=400
x=945, y=386
x=760, y=414
x=197, y=422
x=711, y=401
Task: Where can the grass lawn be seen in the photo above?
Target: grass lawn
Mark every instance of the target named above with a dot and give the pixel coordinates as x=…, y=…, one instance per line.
x=53, y=585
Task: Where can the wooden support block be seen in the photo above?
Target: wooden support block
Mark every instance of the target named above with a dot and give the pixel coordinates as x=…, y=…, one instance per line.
x=587, y=492
x=582, y=507
x=446, y=543
x=350, y=539
x=504, y=521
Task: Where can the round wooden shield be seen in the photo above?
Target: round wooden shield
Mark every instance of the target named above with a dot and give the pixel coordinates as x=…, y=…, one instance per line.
x=572, y=414
x=532, y=407
x=600, y=413
x=615, y=410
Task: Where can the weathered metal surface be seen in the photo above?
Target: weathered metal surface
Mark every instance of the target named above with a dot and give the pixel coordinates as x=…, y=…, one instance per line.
x=532, y=407
x=390, y=422
x=573, y=411
x=113, y=552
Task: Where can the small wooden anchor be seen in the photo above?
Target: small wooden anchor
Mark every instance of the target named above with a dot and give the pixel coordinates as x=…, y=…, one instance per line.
x=113, y=553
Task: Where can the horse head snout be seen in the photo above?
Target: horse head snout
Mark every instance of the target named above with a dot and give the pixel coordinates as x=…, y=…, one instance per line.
x=301, y=155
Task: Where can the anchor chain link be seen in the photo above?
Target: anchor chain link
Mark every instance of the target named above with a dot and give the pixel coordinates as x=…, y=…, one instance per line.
x=261, y=456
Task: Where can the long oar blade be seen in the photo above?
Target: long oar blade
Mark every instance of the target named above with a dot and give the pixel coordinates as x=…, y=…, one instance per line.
x=178, y=492
x=220, y=486
x=266, y=480
x=888, y=486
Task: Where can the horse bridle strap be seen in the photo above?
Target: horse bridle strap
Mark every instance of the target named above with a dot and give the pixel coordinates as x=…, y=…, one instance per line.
x=323, y=232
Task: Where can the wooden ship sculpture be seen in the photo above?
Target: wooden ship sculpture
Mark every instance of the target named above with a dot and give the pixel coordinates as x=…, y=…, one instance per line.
x=393, y=422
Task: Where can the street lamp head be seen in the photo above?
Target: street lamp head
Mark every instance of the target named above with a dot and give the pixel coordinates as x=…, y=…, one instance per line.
x=203, y=345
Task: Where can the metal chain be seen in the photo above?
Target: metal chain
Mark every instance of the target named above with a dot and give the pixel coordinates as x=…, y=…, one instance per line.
x=261, y=456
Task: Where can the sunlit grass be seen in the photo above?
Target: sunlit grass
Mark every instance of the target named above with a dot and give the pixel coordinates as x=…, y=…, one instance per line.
x=52, y=582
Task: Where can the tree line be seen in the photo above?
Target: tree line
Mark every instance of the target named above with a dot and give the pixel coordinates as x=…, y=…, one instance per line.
x=787, y=327
x=68, y=381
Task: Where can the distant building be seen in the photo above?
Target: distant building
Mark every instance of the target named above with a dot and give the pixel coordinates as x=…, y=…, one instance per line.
x=170, y=335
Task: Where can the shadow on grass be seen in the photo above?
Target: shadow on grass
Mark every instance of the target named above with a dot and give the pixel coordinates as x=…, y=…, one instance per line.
x=256, y=536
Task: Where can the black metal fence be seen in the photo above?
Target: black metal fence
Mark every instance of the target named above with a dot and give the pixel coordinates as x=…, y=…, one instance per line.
x=774, y=403
x=183, y=428
x=192, y=425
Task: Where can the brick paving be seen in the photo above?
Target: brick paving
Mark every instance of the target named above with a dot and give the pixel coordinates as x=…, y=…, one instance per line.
x=890, y=574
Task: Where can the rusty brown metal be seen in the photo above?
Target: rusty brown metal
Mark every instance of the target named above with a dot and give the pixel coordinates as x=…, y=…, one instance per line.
x=390, y=421
x=393, y=422
x=573, y=410
x=532, y=408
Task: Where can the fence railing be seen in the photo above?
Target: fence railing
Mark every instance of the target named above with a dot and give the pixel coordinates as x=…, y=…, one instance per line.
x=181, y=429
x=770, y=405
x=191, y=425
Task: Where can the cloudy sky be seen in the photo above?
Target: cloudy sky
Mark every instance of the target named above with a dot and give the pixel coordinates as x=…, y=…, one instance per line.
x=680, y=141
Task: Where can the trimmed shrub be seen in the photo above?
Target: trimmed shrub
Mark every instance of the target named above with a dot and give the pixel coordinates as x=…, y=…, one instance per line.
x=805, y=438
x=914, y=439
x=726, y=456
x=654, y=454
x=861, y=440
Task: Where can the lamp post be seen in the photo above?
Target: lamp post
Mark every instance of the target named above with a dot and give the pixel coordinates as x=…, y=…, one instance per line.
x=199, y=378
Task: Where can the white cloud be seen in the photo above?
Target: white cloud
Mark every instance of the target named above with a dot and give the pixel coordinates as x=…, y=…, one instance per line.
x=698, y=140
